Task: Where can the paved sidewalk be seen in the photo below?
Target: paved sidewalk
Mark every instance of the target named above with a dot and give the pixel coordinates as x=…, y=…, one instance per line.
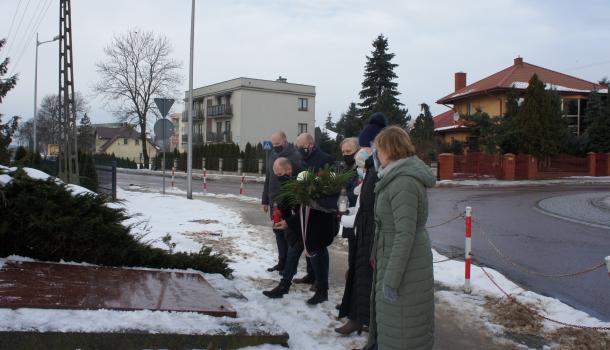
x=452, y=330
x=587, y=208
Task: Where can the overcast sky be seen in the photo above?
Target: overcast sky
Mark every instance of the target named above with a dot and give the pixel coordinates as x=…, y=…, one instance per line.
x=315, y=42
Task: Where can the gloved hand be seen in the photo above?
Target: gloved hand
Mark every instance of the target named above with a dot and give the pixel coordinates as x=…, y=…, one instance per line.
x=390, y=293
x=347, y=221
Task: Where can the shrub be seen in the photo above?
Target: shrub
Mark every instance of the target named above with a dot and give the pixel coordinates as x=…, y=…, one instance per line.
x=43, y=220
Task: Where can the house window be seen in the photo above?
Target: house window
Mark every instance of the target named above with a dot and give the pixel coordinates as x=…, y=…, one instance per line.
x=137, y=142
x=469, y=109
x=303, y=104
x=125, y=141
x=302, y=128
x=218, y=127
x=228, y=126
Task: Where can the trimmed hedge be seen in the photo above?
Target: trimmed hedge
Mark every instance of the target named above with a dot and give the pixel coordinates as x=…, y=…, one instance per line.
x=43, y=220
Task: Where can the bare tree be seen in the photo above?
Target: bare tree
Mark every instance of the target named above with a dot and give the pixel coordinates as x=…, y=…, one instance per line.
x=138, y=67
x=49, y=126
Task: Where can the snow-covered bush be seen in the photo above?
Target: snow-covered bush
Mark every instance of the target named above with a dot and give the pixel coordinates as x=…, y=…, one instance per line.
x=44, y=219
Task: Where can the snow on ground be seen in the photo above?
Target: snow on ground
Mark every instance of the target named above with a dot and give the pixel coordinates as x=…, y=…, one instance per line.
x=250, y=250
x=40, y=175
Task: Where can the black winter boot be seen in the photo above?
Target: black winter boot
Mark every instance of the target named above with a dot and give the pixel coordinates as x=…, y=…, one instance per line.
x=320, y=296
x=278, y=292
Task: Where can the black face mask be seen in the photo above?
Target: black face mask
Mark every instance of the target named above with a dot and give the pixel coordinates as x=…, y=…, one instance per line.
x=349, y=160
x=304, y=152
x=278, y=149
x=284, y=178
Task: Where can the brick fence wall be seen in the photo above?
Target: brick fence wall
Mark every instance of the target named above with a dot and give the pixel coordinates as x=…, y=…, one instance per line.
x=479, y=165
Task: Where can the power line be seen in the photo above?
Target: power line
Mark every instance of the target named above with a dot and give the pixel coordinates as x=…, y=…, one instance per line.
x=588, y=66
x=10, y=29
x=10, y=44
x=22, y=43
x=34, y=28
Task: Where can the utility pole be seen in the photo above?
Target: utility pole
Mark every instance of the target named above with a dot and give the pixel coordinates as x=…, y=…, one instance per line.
x=189, y=154
x=68, y=159
x=38, y=43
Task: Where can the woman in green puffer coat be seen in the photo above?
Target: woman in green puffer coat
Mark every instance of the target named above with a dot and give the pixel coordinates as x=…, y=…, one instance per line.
x=402, y=299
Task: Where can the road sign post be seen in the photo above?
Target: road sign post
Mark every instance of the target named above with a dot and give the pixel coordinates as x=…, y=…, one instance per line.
x=164, y=128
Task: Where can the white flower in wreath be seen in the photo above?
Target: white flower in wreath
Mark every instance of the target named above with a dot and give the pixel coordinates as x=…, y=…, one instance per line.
x=302, y=176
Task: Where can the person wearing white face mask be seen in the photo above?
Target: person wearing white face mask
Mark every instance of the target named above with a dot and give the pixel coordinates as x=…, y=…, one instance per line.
x=355, y=304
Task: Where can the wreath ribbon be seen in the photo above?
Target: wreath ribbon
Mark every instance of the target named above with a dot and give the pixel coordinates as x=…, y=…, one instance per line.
x=304, y=224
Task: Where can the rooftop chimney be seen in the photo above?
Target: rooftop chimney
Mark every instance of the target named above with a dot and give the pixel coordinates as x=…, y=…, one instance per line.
x=518, y=61
x=281, y=79
x=460, y=80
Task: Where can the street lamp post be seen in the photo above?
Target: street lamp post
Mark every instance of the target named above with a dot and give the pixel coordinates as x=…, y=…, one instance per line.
x=189, y=159
x=38, y=43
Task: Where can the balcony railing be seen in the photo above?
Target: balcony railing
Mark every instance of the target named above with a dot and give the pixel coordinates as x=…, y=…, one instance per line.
x=197, y=116
x=220, y=111
x=222, y=137
x=197, y=138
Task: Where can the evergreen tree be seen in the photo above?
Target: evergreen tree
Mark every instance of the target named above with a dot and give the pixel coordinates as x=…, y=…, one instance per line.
x=507, y=137
x=539, y=126
x=422, y=133
x=325, y=142
x=86, y=140
x=329, y=124
x=379, y=90
x=423, y=129
x=7, y=129
x=484, y=132
x=598, y=133
x=350, y=123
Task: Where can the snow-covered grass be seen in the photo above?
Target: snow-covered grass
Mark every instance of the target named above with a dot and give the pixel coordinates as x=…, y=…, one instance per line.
x=251, y=249
x=40, y=175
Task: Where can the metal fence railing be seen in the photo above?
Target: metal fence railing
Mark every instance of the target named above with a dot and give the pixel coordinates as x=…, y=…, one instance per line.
x=106, y=178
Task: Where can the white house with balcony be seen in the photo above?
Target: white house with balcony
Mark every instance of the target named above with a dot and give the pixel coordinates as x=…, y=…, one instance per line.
x=246, y=110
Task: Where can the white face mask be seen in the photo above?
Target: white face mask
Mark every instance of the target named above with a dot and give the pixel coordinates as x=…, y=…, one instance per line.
x=360, y=172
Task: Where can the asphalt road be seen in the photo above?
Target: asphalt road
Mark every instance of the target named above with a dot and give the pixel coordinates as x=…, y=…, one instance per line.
x=538, y=242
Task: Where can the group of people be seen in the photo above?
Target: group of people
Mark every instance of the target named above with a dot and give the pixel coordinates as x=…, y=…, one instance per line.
x=389, y=288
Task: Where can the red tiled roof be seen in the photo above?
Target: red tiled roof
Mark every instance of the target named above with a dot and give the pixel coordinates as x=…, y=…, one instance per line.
x=444, y=121
x=517, y=76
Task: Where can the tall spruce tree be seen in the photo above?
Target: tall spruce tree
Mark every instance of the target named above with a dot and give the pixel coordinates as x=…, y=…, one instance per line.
x=539, y=125
x=6, y=129
x=598, y=132
x=379, y=90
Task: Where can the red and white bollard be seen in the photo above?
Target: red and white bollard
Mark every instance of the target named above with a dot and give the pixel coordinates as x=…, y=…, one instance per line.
x=205, y=181
x=173, y=176
x=608, y=264
x=241, y=184
x=467, y=250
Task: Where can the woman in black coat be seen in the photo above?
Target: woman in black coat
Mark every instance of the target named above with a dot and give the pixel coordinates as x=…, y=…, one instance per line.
x=356, y=297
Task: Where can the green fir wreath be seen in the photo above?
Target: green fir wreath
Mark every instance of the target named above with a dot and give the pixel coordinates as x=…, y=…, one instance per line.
x=310, y=186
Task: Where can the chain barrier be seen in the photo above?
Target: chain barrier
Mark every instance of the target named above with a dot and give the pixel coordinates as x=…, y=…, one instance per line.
x=527, y=270
x=534, y=312
x=449, y=258
x=446, y=222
